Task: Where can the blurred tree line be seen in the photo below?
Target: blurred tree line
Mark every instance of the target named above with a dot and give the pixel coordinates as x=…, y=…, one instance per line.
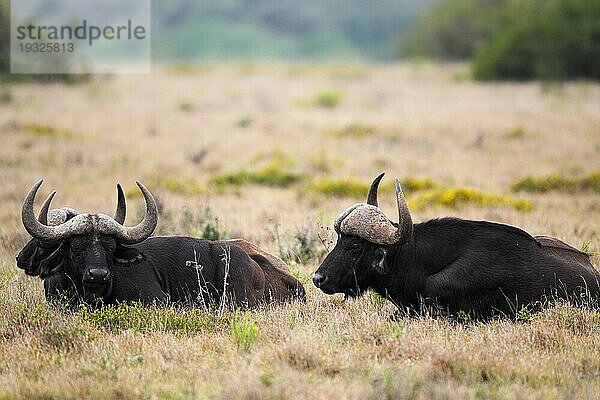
x=4, y=36
x=513, y=39
x=193, y=30
x=505, y=39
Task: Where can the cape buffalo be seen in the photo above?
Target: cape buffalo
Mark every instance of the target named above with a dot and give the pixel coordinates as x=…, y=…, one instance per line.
x=94, y=259
x=479, y=268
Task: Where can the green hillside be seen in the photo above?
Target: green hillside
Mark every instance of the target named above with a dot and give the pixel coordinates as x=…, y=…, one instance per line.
x=272, y=29
x=512, y=39
x=281, y=29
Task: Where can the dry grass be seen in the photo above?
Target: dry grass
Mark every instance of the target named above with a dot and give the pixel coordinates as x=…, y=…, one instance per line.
x=455, y=133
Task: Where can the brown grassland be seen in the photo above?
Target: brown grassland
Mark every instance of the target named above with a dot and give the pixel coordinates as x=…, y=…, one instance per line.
x=272, y=153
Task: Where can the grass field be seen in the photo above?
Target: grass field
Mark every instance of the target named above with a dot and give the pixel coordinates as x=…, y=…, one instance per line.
x=273, y=153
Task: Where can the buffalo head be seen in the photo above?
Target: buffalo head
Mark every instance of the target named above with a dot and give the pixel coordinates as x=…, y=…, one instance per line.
x=365, y=238
x=81, y=245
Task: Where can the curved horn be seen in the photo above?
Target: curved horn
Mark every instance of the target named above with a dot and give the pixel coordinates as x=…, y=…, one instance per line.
x=43, y=216
x=35, y=228
x=372, y=196
x=405, y=224
x=368, y=222
x=44, y=233
x=141, y=231
x=121, y=206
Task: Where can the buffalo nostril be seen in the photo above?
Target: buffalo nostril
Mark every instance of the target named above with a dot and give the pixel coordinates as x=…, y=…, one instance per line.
x=98, y=273
x=319, y=279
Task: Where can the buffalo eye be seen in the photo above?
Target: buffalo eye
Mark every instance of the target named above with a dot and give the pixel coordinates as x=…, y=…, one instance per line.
x=78, y=243
x=379, y=260
x=40, y=251
x=355, y=248
x=109, y=244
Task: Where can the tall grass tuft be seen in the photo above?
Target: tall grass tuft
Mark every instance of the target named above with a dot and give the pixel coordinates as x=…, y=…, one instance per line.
x=243, y=330
x=303, y=247
x=202, y=224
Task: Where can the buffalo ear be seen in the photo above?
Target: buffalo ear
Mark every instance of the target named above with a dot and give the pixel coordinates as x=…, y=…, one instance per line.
x=33, y=254
x=54, y=262
x=127, y=255
x=26, y=256
x=378, y=263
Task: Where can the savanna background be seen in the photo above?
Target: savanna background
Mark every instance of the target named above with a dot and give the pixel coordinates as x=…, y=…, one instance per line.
x=264, y=120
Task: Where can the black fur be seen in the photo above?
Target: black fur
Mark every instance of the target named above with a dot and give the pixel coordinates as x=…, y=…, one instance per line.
x=157, y=271
x=477, y=267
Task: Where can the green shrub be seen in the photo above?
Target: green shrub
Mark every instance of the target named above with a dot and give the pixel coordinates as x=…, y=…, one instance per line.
x=267, y=378
x=182, y=185
x=495, y=61
x=559, y=183
x=355, y=131
x=42, y=130
x=202, y=224
x=244, y=122
x=305, y=279
x=328, y=98
x=301, y=247
x=591, y=182
x=513, y=39
x=185, y=106
x=270, y=175
x=456, y=197
x=273, y=176
x=412, y=184
x=545, y=39
x=358, y=189
x=340, y=188
x=306, y=246
x=454, y=29
x=5, y=95
x=360, y=131
x=516, y=133
x=243, y=330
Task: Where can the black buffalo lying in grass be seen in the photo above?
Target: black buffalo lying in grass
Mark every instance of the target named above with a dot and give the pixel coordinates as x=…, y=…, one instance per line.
x=479, y=268
x=94, y=259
